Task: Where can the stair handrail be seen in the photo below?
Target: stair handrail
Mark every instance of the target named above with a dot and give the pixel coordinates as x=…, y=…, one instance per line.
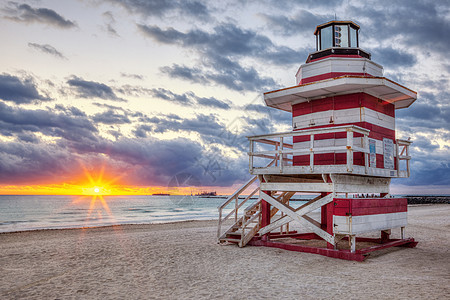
x=235, y=196
x=237, y=193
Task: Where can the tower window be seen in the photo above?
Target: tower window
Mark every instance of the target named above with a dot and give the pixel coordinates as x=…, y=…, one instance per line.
x=326, y=36
x=353, y=38
x=341, y=36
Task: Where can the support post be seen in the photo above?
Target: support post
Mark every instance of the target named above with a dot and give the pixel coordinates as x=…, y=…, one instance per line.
x=397, y=157
x=250, y=155
x=265, y=215
x=311, y=154
x=326, y=218
x=330, y=211
x=366, y=154
x=349, y=150
x=385, y=234
x=352, y=241
x=407, y=161
x=323, y=214
x=281, y=154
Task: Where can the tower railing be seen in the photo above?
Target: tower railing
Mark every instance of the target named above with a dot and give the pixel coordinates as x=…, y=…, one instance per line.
x=283, y=150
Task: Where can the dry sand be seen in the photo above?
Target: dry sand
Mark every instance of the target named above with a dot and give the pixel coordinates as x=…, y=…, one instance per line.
x=183, y=261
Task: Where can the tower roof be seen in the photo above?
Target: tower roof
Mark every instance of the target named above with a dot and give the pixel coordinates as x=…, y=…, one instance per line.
x=379, y=87
x=351, y=23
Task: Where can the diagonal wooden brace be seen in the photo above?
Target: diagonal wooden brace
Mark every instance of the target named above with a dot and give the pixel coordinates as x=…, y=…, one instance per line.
x=302, y=210
x=299, y=218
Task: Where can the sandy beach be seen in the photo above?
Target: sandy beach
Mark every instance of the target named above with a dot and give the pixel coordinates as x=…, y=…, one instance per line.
x=183, y=261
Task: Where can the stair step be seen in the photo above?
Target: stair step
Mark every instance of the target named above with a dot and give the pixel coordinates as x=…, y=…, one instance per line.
x=239, y=232
x=227, y=239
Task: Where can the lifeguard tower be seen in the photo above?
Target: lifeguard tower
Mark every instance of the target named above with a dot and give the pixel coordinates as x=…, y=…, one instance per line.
x=342, y=147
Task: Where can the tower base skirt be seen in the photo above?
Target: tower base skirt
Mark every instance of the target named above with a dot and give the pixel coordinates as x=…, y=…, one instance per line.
x=358, y=255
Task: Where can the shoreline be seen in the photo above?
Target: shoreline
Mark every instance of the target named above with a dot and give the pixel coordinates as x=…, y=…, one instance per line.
x=107, y=226
x=419, y=202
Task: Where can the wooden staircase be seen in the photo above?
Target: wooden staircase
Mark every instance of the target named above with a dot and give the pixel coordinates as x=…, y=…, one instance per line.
x=248, y=225
x=245, y=227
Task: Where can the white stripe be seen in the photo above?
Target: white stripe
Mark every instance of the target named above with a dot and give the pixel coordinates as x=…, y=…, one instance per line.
x=339, y=65
x=368, y=223
x=344, y=116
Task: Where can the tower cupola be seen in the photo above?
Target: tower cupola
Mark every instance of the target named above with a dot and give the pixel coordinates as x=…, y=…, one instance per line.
x=337, y=38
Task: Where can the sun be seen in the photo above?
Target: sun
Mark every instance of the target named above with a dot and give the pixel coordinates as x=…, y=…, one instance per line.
x=96, y=190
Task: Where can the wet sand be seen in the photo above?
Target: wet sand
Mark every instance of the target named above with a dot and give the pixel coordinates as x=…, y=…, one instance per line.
x=183, y=261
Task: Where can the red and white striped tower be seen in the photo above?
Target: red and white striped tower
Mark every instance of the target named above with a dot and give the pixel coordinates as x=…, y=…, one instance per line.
x=343, y=142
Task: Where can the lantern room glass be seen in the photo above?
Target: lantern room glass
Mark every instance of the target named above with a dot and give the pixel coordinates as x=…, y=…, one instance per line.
x=326, y=36
x=353, y=38
x=337, y=35
x=341, y=36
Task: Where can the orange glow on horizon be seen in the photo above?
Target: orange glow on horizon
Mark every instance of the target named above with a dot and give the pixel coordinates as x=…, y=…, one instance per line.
x=92, y=183
x=111, y=190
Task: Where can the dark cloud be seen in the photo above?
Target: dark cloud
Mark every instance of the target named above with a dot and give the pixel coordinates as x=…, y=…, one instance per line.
x=302, y=22
x=162, y=8
x=108, y=106
x=111, y=117
x=271, y=115
x=71, y=110
x=67, y=124
x=110, y=22
x=28, y=138
x=183, y=99
x=19, y=91
x=288, y=5
x=142, y=130
x=183, y=72
x=226, y=39
x=430, y=164
x=430, y=112
x=418, y=24
x=205, y=125
x=189, y=99
x=227, y=73
x=47, y=49
x=133, y=76
x=159, y=161
x=220, y=51
x=392, y=58
x=213, y=103
x=27, y=14
x=92, y=89
x=35, y=163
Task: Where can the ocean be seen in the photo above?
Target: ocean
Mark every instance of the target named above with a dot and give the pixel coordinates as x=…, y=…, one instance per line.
x=22, y=213
x=19, y=213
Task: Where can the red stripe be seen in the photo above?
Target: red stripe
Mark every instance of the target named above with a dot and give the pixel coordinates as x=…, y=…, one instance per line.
x=344, y=102
x=376, y=132
x=337, y=159
x=330, y=159
x=334, y=55
x=362, y=207
x=330, y=75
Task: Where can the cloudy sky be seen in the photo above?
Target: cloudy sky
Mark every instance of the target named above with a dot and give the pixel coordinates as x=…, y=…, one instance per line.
x=143, y=95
